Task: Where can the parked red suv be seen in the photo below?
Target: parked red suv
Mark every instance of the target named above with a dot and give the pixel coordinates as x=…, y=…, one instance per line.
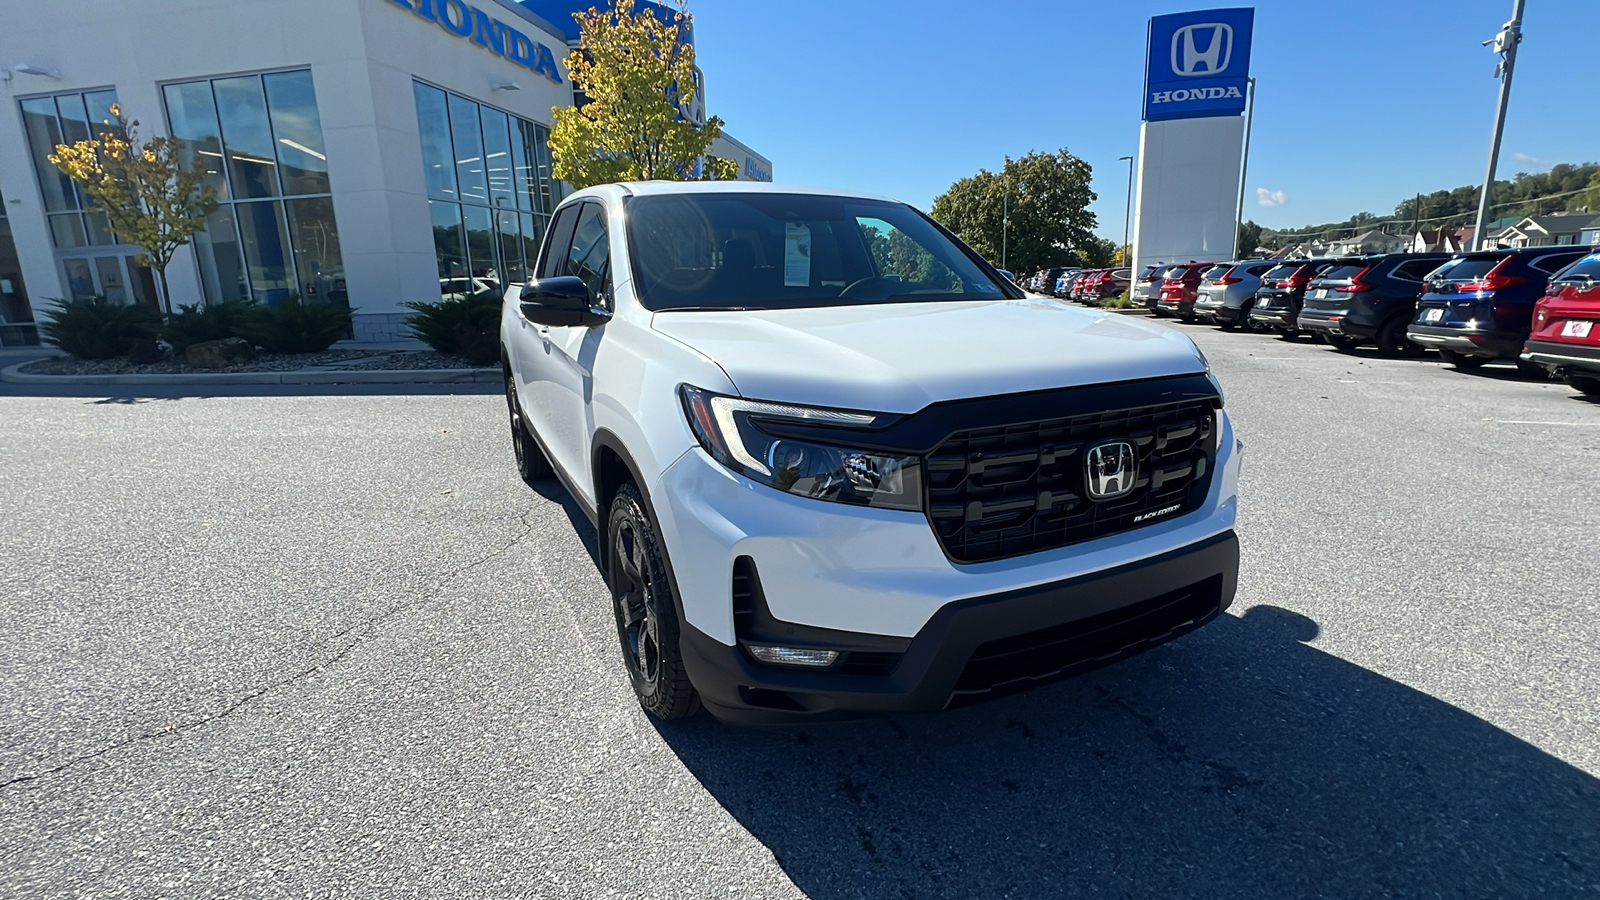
x=1179, y=290
x=1566, y=326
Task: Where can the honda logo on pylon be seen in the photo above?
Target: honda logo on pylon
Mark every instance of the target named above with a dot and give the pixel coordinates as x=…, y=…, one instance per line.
x=1189, y=59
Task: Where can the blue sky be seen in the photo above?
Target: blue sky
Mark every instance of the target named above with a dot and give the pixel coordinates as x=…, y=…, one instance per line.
x=1360, y=103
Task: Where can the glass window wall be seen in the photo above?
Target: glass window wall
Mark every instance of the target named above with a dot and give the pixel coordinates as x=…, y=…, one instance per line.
x=274, y=235
x=67, y=119
x=489, y=189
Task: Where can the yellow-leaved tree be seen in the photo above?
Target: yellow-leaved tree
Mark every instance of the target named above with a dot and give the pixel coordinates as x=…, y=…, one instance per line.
x=636, y=69
x=153, y=197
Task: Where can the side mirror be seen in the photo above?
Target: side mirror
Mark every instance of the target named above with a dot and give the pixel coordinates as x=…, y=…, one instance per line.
x=559, y=302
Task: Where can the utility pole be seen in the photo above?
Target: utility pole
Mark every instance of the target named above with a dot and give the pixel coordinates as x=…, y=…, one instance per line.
x=1244, y=169
x=1127, y=212
x=1505, y=43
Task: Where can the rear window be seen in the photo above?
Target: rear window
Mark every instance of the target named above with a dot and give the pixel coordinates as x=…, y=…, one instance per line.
x=1343, y=272
x=1215, y=272
x=1282, y=272
x=1416, y=269
x=1258, y=270
x=1587, y=268
x=1470, y=268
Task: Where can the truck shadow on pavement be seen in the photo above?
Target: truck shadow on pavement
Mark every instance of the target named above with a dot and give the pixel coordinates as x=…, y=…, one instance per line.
x=1238, y=761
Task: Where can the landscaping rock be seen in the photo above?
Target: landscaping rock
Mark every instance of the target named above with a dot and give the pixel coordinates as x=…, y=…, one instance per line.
x=220, y=354
x=144, y=351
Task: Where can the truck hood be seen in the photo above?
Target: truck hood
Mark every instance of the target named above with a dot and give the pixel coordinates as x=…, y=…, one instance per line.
x=900, y=357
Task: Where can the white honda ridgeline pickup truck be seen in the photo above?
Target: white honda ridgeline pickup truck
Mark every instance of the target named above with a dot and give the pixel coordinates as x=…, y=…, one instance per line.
x=840, y=466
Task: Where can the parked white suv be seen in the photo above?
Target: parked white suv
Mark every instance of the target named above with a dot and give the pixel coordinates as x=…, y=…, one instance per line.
x=838, y=465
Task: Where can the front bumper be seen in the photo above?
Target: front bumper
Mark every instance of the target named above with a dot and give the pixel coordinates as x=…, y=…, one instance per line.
x=872, y=578
x=1580, y=357
x=985, y=647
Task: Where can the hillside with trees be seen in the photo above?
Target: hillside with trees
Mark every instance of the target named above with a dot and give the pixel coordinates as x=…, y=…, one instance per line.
x=1564, y=187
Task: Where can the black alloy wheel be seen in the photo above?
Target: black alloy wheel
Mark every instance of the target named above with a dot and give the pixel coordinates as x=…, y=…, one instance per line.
x=1462, y=361
x=646, y=613
x=1392, y=340
x=531, y=462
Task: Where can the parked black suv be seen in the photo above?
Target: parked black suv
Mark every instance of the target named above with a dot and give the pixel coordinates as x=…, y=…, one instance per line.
x=1282, y=291
x=1369, y=300
x=1478, y=307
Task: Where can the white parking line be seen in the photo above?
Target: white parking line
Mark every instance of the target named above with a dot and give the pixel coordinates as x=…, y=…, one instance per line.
x=1524, y=422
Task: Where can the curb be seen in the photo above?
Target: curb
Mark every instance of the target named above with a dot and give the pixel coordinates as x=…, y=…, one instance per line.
x=10, y=374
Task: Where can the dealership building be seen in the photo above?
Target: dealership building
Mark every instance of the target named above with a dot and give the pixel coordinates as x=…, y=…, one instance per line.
x=363, y=152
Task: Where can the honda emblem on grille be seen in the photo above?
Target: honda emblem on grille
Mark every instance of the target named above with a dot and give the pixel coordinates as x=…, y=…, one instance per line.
x=1112, y=470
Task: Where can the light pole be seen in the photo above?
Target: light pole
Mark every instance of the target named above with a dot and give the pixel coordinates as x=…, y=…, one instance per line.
x=1244, y=171
x=1005, y=219
x=1127, y=211
x=1505, y=43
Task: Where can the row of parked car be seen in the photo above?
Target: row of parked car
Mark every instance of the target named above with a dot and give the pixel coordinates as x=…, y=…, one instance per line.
x=1538, y=307
x=1092, y=286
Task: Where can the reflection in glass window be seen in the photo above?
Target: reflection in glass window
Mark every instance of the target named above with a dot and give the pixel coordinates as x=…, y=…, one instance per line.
x=67, y=229
x=497, y=158
x=221, y=262
x=192, y=115
x=297, y=131
x=266, y=255
x=266, y=134
x=468, y=140
x=247, y=137
x=317, y=257
x=496, y=167
x=480, y=242
x=66, y=119
x=433, y=120
x=449, y=244
x=44, y=133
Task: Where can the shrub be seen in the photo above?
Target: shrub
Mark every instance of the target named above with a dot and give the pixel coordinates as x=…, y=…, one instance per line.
x=295, y=327
x=195, y=324
x=98, y=328
x=469, y=326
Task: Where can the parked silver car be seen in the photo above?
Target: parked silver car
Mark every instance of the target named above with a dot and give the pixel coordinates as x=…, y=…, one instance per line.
x=1227, y=292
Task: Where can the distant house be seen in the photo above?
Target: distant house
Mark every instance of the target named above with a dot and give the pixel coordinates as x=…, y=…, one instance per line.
x=1440, y=240
x=1555, y=229
x=1367, y=243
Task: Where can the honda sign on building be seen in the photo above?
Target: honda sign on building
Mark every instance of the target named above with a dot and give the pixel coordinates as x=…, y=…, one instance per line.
x=1197, y=75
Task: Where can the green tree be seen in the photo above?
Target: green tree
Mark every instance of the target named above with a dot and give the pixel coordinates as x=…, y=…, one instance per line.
x=636, y=69
x=1591, y=197
x=152, y=197
x=1044, y=197
x=1249, y=239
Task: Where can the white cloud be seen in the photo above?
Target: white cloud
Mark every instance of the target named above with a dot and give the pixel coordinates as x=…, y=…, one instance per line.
x=1528, y=159
x=1270, y=199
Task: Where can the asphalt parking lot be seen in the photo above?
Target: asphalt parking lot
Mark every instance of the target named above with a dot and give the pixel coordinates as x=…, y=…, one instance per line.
x=329, y=644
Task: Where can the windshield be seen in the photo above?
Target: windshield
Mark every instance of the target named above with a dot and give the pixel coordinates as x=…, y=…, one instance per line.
x=775, y=251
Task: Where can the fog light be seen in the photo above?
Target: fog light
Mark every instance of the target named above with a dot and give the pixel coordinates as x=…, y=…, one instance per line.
x=792, y=656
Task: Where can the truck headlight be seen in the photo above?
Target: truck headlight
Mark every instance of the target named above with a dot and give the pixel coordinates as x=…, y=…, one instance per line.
x=729, y=428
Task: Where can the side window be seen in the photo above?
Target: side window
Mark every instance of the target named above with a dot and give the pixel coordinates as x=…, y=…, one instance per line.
x=590, y=255
x=553, y=261
x=1555, y=261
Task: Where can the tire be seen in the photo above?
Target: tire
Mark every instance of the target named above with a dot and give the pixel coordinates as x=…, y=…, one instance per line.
x=1585, y=384
x=646, y=610
x=1532, y=370
x=1462, y=361
x=1342, y=343
x=1246, y=324
x=532, y=464
x=1392, y=340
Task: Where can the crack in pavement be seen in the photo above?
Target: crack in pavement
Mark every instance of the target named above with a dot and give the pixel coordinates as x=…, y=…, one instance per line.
x=366, y=627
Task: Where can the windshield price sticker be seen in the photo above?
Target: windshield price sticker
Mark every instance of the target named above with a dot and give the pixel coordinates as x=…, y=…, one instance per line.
x=796, y=254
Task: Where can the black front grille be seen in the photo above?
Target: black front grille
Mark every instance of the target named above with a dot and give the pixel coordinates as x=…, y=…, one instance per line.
x=1015, y=489
x=1024, y=660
